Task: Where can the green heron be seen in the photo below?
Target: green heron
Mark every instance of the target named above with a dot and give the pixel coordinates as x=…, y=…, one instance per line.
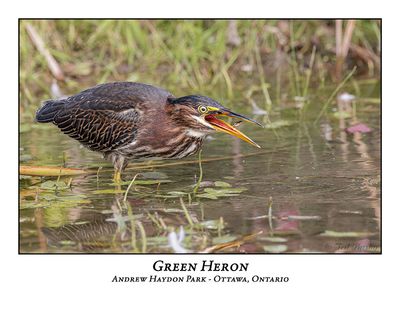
x=125, y=121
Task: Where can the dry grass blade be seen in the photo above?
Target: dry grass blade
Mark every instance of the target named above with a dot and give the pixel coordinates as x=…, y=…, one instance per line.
x=343, y=42
x=348, y=34
x=50, y=171
x=129, y=187
x=39, y=44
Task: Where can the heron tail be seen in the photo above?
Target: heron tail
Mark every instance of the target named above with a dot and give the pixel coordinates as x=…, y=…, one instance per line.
x=49, y=110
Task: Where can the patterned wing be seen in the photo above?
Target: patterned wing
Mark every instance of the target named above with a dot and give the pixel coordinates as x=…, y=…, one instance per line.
x=99, y=130
x=104, y=117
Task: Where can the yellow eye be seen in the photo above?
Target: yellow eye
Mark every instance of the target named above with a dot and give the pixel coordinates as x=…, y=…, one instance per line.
x=202, y=109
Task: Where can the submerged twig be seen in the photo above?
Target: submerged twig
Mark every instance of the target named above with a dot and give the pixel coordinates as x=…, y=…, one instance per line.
x=235, y=243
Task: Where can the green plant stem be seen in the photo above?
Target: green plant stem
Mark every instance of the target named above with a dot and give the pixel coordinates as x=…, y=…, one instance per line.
x=340, y=86
x=196, y=188
x=130, y=185
x=188, y=217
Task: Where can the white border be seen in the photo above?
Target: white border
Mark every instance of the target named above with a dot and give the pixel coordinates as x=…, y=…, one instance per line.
x=315, y=281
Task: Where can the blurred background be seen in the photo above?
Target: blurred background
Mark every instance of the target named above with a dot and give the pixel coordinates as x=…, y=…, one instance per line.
x=314, y=186
x=232, y=59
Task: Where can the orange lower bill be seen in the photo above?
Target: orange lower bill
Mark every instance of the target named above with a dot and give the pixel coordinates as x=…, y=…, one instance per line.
x=225, y=127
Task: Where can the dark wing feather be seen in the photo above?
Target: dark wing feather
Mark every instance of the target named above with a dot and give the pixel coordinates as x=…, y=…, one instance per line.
x=107, y=116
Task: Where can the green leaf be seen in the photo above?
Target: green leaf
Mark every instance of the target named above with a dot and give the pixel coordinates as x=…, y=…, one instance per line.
x=224, y=191
x=154, y=175
x=275, y=248
x=206, y=195
x=222, y=184
x=108, y=191
x=304, y=218
x=52, y=200
x=210, y=224
x=273, y=239
x=177, y=193
x=142, y=182
x=346, y=234
x=54, y=185
x=223, y=239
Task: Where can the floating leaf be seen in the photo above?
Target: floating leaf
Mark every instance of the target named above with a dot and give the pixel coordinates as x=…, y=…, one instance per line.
x=172, y=210
x=273, y=239
x=346, y=234
x=108, y=191
x=154, y=175
x=209, y=196
x=25, y=157
x=304, y=218
x=204, y=184
x=211, y=224
x=49, y=171
x=275, y=248
x=52, y=200
x=24, y=177
x=142, y=182
x=166, y=196
x=223, y=239
x=222, y=184
x=177, y=193
x=224, y=191
x=54, y=185
x=214, y=194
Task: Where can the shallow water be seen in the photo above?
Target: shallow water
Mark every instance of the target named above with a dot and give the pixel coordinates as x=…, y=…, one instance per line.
x=311, y=188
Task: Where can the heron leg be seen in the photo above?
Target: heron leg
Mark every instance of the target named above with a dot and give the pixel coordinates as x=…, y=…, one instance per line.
x=117, y=176
x=119, y=163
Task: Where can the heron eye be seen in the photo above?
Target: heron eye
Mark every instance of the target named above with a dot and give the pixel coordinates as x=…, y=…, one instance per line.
x=202, y=109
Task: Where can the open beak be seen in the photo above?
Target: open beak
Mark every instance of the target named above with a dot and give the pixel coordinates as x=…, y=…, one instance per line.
x=223, y=126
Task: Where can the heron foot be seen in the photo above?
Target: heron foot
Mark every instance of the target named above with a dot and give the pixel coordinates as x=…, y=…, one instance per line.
x=117, y=177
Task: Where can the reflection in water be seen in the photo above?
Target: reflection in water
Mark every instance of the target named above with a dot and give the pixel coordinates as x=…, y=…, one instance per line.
x=112, y=232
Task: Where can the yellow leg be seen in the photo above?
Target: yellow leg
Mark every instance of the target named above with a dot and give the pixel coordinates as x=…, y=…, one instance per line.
x=117, y=177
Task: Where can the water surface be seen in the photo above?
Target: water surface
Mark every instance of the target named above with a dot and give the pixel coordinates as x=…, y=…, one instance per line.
x=311, y=188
